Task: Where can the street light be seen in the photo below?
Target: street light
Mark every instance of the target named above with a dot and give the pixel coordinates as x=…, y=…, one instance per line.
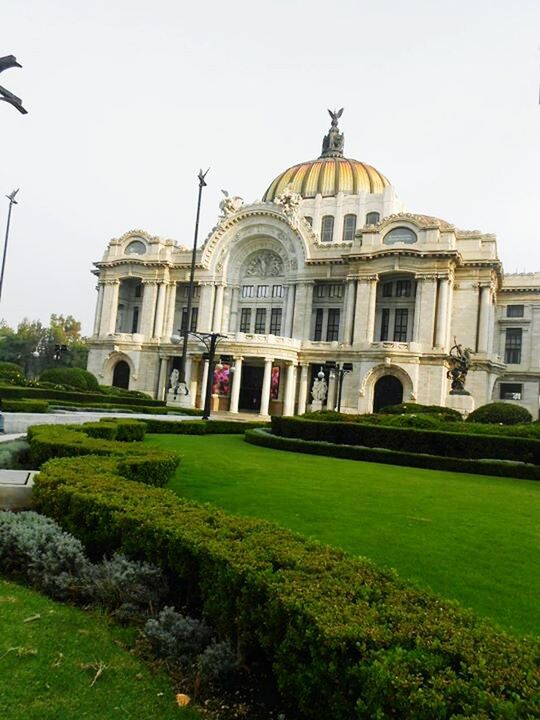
x=341, y=370
x=7, y=62
x=185, y=330
x=210, y=341
x=12, y=202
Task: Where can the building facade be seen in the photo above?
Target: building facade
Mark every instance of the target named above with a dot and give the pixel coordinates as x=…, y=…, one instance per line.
x=328, y=268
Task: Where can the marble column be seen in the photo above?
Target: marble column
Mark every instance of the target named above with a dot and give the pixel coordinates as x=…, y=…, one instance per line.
x=226, y=312
x=169, y=328
x=110, y=307
x=364, y=311
x=160, y=310
x=233, y=316
x=348, y=323
x=203, y=384
x=290, y=389
x=148, y=307
x=206, y=306
x=162, y=378
x=99, y=308
x=302, y=311
x=426, y=312
x=303, y=388
x=218, y=308
x=483, y=319
x=331, y=397
x=441, y=323
x=267, y=380
x=417, y=308
x=236, y=381
x=289, y=310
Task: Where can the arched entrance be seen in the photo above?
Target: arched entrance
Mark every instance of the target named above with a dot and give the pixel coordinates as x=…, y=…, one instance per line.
x=388, y=391
x=121, y=375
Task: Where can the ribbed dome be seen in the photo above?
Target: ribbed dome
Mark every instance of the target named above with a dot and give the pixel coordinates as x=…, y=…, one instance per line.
x=328, y=176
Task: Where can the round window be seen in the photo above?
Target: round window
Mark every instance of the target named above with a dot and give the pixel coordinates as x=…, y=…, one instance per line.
x=136, y=247
x=400, y=235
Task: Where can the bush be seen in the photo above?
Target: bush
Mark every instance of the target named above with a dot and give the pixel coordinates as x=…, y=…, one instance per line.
x=71, y=377
x=122, y=392
x=344, y=639
x=128, y=589
x=11, y=373
x=13, y=454
x=75, y=397
x=25, y=406
x=430, y=442
x=424, y=421
x=37, y=548
x=200, y=427
x=176, y=638
x=217, y=663
x=499, y=468
x=416, y=408
x=135, y=461
x=500, y=413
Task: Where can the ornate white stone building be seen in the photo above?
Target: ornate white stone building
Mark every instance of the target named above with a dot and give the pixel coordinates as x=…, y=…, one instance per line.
x=329, y=266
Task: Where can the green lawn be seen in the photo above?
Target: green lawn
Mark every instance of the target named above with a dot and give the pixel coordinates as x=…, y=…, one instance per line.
x=50, y=654
x=469, y=537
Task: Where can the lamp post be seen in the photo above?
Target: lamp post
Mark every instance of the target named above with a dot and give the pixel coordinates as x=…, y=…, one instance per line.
x=185, y=331
x=342, y=370
x=7, y=62
x=12, y=202
x=210, y=341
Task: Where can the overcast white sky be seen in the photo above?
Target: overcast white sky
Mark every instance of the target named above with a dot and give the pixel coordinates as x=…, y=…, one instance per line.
x=127, y=99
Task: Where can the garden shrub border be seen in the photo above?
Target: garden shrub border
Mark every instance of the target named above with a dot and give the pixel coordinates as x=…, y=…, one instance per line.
x=264, y=438
x=199, y=427
x=25, y=406
x=429, y=442
x=344, y=639
x=25, y=393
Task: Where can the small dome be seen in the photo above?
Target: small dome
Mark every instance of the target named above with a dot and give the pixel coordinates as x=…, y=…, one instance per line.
x=331, y=173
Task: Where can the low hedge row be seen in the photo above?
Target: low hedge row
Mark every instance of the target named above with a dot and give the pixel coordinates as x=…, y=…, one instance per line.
x=429, y=442
x=25, y=393
x=108, y=407
x=25, y=406
x=499, y=468
x=199, y=427
x=134, y=461
x=344, y=639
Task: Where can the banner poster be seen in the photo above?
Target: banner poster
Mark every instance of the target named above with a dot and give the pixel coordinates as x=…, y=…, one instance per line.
x=274, y=384
x=221, y=383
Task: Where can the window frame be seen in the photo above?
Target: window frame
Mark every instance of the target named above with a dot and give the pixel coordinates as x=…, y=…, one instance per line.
x=368, y=218
x=511, y=308
x=347, y=235
x=259, y=327
x=401, y=324
x=513, y=345
x=503, y=394
x=319, y=320
x=245, y=320
x=332, y=325
x=276, y=317
x=324, y=229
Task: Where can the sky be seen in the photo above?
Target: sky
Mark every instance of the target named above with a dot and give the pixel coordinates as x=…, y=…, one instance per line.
x=128, y=99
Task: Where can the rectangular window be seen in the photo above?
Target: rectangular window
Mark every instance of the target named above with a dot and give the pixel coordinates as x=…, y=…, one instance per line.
x=245, y=320
x=512, y=348
x=332, y=329
x=514, y=310
x=183, y=321
x=275, y=321
x=260, y=321
x=385, y=323
x=135, y=322
x=335, y=291
x=387, y=289
x=194, y=318
x=349, y=228
x=262, y=291
x=327, y=229
x=511, y=391
x=277, y=291
x=403, y=288
x=138, y=290
x=318, y=290
x=318, y=324
x=400, y=325
x=247, y=291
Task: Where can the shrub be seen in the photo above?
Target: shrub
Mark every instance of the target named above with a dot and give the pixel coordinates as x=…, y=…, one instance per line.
x=126, y=430
x=430, y=442
x=75, y=397
x=500, y=413
x=200, y=427
x=127, y=588
x=26, y=406
x=343, y=638
x=104, y=430
x=122, y=392
x=416, y=408
x=11, y=373
x=37, y=548
x=71, y=377
x=13, y=454
x=217, y=663
x=424, y=421
x=176, y=638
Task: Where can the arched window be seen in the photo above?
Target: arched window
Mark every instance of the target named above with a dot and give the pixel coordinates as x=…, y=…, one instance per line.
x=372, y=218
x=327, y=228
x=400, y=235
x=349, y=228
x=121, y=375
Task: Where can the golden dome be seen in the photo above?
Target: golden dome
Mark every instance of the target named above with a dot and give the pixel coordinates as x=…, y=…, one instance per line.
x=331, y=173
x=328, y=176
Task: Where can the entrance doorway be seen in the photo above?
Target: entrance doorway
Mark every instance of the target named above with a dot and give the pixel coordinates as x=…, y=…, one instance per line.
x=251, y=388
x=121, y=375
x=388, y=391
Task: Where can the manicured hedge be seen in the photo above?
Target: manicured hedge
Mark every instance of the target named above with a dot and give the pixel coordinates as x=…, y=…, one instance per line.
x=500, y=413
x=344, y=639
x=108, y=407
x=430, y=442
x=499, y=468
x=25, y=406
x=72, y=377
x=199, y=427
x=135, y=461
x=11, y=373
x=416, y=409
x=25, y=393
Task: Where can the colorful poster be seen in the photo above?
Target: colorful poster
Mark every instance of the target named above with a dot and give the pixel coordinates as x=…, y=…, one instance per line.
x=221, y=383
x=274, y=384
